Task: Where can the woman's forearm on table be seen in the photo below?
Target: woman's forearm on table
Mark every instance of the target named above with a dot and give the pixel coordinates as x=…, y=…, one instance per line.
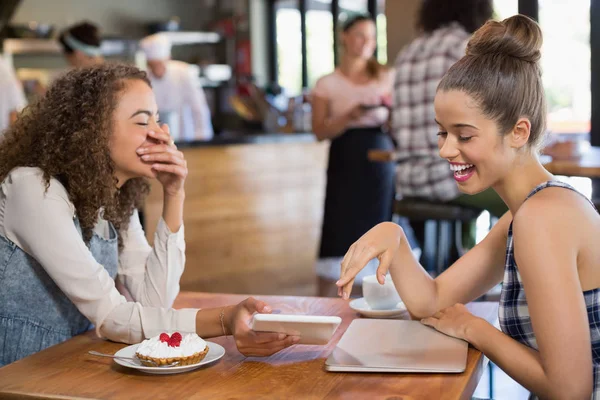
x=213, y=322
x=521, y=362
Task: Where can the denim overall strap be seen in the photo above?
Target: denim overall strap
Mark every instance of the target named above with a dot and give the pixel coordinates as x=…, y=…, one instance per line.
x=34, y=312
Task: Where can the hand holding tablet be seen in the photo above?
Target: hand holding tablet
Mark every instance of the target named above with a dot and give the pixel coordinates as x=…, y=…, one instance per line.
x=312, y=329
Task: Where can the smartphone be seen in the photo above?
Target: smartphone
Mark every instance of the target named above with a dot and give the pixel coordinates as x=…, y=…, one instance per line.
x=312, y=329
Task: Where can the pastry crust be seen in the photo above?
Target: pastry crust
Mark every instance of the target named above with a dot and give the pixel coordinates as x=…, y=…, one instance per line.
x=189, y=360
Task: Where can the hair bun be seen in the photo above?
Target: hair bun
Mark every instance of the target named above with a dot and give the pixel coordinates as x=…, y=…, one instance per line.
x=518, y=36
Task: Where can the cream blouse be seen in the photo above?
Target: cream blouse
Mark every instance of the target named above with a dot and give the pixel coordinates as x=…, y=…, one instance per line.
x=40, y=222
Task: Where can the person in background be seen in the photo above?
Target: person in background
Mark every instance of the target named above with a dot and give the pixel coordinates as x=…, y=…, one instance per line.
x=491, y=113
x=12, y=98
x=177, y=88
x=81, y=45
x=445, y=26
x=73, y=255
x=349, y=108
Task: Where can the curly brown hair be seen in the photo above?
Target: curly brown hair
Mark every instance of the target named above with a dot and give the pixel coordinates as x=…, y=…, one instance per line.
x=66, y=134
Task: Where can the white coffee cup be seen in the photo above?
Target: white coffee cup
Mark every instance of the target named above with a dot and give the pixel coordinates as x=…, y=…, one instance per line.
x=377, y=296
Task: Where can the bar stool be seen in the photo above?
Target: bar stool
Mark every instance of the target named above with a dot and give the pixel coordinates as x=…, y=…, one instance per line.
x=443, y=229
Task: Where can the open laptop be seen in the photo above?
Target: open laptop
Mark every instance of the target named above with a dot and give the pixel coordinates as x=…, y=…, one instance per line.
x=377, y=345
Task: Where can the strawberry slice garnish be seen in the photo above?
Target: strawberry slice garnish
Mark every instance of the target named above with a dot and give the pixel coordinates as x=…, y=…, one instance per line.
x=164, y=337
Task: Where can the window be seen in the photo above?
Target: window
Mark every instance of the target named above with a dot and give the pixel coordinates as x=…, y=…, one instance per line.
x=319, y=40
x=565, y=60
x=289, y=46
x=349, y=8
x=505, y=8
x=566, y=64
x=381, y=22
x=298, y=60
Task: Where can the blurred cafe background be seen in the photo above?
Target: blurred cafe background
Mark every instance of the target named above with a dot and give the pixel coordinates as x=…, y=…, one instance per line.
x=256, y=190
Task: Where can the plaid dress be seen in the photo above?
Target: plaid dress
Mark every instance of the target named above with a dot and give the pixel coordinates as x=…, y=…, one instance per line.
x=514, y=313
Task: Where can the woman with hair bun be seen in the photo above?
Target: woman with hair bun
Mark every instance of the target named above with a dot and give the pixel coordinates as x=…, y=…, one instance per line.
x=491, y=113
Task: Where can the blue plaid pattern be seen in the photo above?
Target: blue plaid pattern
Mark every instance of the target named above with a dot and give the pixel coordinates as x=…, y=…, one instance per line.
x=514, y=313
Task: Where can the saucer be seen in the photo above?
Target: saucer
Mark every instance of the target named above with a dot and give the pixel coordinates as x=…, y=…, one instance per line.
x=361, y=307
x=215, y=352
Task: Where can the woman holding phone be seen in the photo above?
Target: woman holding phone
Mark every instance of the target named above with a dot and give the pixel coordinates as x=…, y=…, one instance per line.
x=350, y=108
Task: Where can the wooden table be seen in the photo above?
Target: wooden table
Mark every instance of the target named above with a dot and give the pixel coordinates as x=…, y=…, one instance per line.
x=66, y=371
x=588, y=165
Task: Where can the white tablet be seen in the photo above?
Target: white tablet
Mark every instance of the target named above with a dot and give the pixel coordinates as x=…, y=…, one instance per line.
x=388, y=345
x=312, y=329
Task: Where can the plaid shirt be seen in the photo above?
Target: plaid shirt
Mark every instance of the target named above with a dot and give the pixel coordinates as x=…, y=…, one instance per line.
x=514, y=312
x=419, y=69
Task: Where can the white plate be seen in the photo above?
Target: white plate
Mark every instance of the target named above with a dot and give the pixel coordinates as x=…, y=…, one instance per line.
x=215, y=352
x=361, y=306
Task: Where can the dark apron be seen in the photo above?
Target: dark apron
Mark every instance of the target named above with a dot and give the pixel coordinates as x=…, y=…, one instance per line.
x=359, y=192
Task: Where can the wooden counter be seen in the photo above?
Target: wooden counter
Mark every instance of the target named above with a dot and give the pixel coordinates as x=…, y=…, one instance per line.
x=252, y=215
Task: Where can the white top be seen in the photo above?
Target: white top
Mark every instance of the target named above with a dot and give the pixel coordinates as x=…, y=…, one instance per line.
x=343, y=95
x=12, y=97
x=41, y=223
x=180, y=91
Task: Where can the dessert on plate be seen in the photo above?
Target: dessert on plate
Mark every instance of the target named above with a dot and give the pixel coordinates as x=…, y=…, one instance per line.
x=165, y=349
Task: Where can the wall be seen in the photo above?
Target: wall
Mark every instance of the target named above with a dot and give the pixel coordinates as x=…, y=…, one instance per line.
x=401, y=18
x=116, y=17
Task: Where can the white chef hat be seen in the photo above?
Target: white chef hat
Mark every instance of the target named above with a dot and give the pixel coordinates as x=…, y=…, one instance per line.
x=156, y=47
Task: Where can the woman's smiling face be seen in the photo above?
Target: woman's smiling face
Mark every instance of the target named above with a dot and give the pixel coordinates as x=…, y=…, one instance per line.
x=471, y=142
x=136, y=114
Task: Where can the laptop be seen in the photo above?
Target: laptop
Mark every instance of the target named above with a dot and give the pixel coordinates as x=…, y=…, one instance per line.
x=378, y=345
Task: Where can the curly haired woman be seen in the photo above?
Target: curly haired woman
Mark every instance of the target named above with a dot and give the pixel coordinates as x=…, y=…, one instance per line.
x=73, y=254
